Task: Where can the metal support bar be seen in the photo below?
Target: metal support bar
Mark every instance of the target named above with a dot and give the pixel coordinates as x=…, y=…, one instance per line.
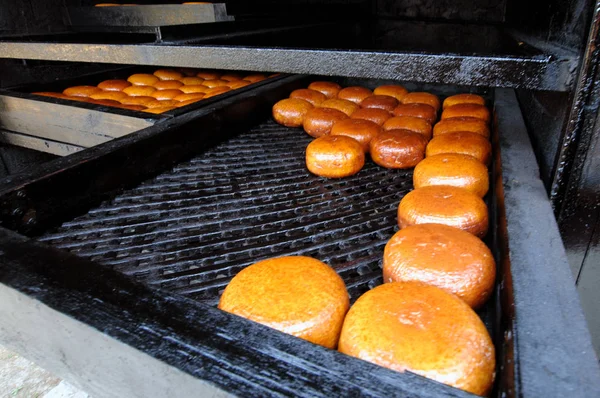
x=538, y=72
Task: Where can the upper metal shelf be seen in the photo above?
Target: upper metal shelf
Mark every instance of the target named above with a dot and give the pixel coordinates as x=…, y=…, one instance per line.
x=407, y=51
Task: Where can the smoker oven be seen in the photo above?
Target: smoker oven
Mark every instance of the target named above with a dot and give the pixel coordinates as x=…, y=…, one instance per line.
x=112, y=258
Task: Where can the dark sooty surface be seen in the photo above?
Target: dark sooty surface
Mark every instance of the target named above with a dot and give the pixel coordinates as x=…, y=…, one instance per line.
x=191, y=229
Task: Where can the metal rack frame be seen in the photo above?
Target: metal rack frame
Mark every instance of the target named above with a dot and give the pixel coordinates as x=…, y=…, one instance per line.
x=123, y=324
x=189, y=347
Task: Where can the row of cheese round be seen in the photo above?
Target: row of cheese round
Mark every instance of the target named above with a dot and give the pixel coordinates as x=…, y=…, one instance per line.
x=449, y=183
x=161, y=91
x=394, y=126
x=407, y=325
x=438, y=245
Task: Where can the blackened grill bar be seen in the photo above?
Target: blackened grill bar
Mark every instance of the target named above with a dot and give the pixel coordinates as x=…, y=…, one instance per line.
x=191, y=229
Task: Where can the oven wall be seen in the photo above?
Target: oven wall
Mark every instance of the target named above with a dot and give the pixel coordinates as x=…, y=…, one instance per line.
x=457, y=10
x=567, y=124
x=31, y=17
x=556, y=26
x=580, y=229
x=16, y=159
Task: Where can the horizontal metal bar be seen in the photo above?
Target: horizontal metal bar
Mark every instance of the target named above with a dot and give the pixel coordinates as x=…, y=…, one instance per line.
x=537, y=72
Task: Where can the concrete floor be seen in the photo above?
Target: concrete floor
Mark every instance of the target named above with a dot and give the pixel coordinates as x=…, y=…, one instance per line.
x=23, y=379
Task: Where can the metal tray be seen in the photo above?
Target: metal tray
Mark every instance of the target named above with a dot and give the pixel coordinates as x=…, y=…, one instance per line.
x=62, y=127
x=144, y=18
x=191, y=229
x=186, y=231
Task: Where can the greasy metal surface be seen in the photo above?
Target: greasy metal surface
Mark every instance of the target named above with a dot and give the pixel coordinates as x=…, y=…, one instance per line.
x=587, y=285
x=541, y=72
x=559, y=22
x=31, y=17
x=191, y=229
x=147, y=343
x=445, y=38
x=545, y=115
x=464, y=10
x=147, y=15
x=15, y=159
x=575, y=189
x=14, y=72
x=555, y=354
x=579, y=219
x=578, y=131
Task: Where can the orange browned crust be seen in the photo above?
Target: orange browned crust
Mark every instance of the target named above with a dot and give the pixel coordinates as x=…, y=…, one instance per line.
x=81, y=91
x=320, y=121
x=422, y=98
x=312, y=96
x=470, y=124
x=355, y=94
x=168, y=74
x=167, y=84
x=291, y=111
x=454, y=169
x=334, y=156
x=463, y=142
x=395, y=91
x=463, y=99
x=136, y=91
x=444, y=204
x=142, y=79
x=362, y=131
x=467, y=110
x=398, y=149
x=423, y=329
x=442, y=256
x=423, y=111
x=297, y=295
x=411, y=123
x=378, y=116
x=384, y=102
x=330, y=89
x=114, y=85
x=348, y=107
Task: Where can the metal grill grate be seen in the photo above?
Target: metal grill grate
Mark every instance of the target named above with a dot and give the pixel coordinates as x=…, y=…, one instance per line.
x=191, y=229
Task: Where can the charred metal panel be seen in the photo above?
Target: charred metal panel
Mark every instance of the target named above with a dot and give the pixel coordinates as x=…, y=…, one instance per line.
x=561, y=22
x=534, y=71
x=465, y=10
x=545, y=114
x=31, y=17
